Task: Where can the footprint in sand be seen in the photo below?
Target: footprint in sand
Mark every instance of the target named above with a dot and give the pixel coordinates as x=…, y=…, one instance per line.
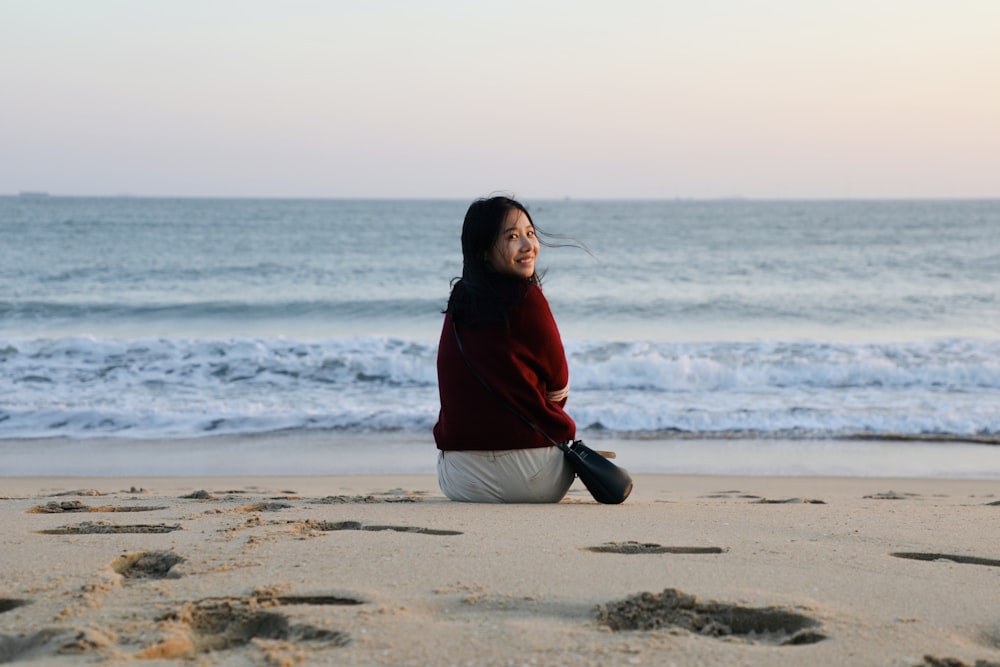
x=789, y=501
x=201, y=494
x=264, y=507
x=764, y=501
x=396, y=496
x=320, y=600
x=79, y=506
x=327, y=526
x=77, y=492
x=891, y=495
x=10, y=604
x=393, y=496
x=672, y=608
x=934, y=661
x=952, y=558
x=104, y=527
x=733, y=493
x=221, y=624
x=147, y=565
x=51, y=642
x=650, y=548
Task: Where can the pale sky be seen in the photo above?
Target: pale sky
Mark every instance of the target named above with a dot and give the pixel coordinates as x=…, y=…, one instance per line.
x=542, y=98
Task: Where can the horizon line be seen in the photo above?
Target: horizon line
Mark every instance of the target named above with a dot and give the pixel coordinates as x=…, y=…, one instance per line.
x=42, y=194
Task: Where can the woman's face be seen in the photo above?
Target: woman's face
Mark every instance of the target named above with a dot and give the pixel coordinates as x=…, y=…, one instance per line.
x=516, y=248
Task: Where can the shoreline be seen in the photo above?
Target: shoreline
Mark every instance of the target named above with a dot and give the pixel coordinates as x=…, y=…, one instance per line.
x=338, y=453
x=383, y=570
x=656, y=486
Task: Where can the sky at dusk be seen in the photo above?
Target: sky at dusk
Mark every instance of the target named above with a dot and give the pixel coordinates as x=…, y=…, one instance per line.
x=542, y=98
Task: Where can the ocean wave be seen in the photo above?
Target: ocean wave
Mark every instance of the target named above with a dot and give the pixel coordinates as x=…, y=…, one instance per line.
x=949, y=364
x=82, y=387
x=141, y=310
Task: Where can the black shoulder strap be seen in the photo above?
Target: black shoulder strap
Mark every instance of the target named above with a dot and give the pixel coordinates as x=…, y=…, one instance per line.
x=482, y=381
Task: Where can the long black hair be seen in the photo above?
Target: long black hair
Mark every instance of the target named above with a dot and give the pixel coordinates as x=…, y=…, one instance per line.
x=482, y=295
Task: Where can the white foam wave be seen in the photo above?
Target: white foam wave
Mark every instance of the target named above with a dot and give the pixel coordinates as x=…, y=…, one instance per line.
x=81, y=387
x=952, y=364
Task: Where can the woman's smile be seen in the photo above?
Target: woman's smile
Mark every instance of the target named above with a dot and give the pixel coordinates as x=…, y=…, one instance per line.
x=516, y=247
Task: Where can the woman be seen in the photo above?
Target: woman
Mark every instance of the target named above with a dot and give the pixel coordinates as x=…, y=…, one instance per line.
x=510, y=340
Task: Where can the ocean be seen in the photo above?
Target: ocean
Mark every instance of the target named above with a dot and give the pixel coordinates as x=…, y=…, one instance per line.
x=794, y=335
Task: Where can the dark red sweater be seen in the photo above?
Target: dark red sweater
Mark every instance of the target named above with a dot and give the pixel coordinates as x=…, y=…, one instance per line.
x=522, y=362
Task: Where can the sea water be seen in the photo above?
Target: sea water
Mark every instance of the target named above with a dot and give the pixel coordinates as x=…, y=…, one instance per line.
x=872, y=324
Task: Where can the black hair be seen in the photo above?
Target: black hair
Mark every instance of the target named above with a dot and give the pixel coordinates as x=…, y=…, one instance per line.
x=482, y=295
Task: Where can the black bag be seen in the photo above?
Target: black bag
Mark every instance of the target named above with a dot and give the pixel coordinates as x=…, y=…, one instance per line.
x=606, y=482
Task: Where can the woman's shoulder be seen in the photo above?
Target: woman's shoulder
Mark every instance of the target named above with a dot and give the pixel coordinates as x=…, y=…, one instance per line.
x=534, y=316
x=533, y=296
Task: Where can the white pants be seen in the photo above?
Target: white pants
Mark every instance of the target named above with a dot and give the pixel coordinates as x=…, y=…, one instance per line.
x=536, y=475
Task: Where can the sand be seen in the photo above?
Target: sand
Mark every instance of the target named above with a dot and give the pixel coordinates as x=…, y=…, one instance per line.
x=382, y=570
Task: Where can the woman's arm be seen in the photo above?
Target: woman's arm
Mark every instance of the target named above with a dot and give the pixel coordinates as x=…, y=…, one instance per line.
x=546, y=347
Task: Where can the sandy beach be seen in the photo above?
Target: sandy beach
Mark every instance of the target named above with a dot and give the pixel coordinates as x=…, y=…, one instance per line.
x=383, y=570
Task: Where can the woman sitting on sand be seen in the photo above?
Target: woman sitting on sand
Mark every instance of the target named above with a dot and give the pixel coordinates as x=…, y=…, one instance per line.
x=509, y=338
